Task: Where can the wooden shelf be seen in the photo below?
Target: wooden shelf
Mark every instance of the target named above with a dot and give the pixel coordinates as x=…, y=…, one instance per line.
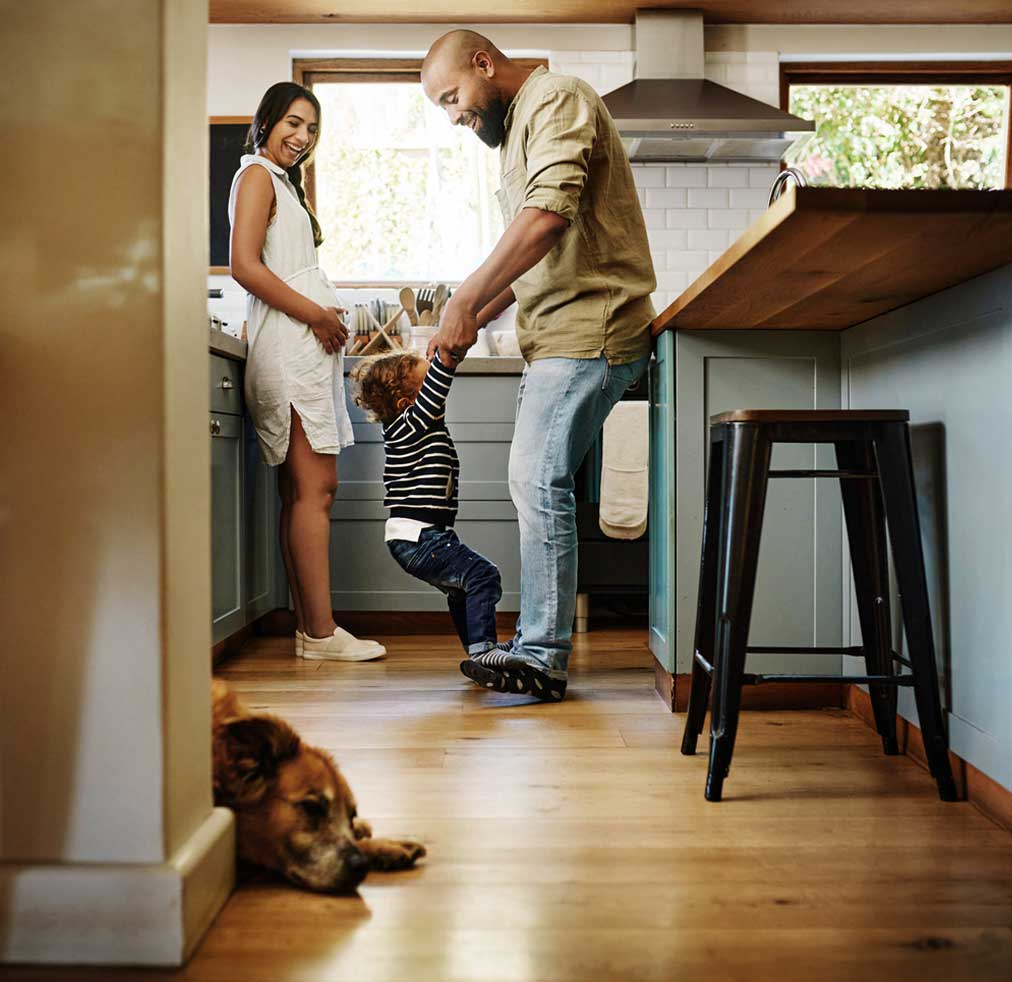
x=830, y=258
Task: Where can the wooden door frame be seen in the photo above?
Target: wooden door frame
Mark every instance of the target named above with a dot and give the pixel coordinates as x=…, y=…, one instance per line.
x=901, y=73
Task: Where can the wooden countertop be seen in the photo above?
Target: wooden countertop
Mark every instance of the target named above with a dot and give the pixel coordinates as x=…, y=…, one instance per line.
x=829, y=258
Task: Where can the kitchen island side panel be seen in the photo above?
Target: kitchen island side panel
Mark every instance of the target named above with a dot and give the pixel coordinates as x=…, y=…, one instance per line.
x=798, y=598
x=948, y=359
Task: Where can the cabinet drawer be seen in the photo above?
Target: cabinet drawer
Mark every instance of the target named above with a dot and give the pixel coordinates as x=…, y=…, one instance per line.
x=226, y=385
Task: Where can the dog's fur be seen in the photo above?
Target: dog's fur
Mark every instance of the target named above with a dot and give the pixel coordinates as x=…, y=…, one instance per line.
x=295, y=813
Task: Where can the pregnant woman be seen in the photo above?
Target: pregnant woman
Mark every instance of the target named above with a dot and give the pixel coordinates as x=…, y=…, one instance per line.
x=295, y=365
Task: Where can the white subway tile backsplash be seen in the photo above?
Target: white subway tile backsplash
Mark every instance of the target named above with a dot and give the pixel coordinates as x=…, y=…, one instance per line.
x=672, y=281
x=726, y=176
x=748, y=197
x=727, y=218
x=654, y=218
x=682, y=176
x=707, y=238
x=648, y=175
x=690, y=262
x=710, y=198
x=666, y=197
x=686, y=217
x=669, y=238
x=762, y=177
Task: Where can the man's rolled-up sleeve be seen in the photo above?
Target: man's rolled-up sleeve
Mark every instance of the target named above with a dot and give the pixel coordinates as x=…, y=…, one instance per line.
x=559, y=141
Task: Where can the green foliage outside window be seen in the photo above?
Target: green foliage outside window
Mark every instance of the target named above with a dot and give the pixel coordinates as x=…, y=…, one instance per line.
x=903, y=136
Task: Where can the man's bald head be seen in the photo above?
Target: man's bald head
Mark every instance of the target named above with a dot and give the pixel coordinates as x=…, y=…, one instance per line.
x=466, y=75
x=455, y=51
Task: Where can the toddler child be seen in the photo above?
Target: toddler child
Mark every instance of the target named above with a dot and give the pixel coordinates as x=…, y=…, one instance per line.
x=407, y=395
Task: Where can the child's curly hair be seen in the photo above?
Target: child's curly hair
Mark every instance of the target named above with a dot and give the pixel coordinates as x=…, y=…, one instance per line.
x=383, y=380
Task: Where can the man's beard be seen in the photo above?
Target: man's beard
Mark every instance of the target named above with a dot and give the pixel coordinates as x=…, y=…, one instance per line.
x=492, y=118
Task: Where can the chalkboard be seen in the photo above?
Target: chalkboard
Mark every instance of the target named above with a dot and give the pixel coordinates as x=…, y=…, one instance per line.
x=228, y=134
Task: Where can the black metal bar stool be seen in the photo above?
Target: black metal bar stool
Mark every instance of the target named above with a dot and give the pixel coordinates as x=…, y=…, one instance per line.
x=876, y=483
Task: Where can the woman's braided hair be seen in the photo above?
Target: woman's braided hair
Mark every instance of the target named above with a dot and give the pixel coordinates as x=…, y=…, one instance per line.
x=273, y=108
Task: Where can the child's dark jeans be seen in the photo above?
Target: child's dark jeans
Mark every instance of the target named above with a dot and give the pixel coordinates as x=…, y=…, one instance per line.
x=471, y=583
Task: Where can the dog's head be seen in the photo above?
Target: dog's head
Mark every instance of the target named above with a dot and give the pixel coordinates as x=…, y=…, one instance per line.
x=293, y=808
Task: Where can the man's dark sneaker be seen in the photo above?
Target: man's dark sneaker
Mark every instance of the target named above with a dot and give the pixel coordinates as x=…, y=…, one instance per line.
x=501, y=671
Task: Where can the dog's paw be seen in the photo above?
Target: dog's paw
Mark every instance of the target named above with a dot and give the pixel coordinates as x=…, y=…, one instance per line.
x=394, y=854
x=360, y=828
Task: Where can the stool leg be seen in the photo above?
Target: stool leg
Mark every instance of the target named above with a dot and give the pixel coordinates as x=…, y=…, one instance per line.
x=699, y=695
x=862, y=508
x=895, y=467
x=746, y=469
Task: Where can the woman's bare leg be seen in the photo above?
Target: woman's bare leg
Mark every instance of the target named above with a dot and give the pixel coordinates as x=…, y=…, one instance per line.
x=287, y=493
x=313, y=485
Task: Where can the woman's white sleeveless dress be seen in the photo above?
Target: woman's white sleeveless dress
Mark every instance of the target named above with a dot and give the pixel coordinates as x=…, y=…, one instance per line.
x=286, y=365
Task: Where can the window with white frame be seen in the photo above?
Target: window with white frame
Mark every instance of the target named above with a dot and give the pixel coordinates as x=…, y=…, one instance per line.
x=402, y=196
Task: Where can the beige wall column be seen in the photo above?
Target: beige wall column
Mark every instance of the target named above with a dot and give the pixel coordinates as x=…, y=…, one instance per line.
x=110, y=849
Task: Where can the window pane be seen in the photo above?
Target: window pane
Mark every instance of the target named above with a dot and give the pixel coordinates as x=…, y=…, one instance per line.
x=400, y=193
x=903, y=136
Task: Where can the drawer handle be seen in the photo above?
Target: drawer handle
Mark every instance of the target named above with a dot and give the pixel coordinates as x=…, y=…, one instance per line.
x=227, y=383
x=215, y=427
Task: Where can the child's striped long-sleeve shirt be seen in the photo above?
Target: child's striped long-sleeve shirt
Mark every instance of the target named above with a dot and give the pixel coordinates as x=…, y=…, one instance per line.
x=421, y=471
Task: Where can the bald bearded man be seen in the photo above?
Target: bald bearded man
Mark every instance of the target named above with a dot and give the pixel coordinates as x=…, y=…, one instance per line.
x=575, y=259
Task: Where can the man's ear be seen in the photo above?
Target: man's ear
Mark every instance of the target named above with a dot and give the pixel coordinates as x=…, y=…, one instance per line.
x=247, y=755
x=484, y=64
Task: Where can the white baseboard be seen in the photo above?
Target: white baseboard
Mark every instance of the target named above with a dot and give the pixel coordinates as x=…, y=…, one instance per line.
x=109, y=914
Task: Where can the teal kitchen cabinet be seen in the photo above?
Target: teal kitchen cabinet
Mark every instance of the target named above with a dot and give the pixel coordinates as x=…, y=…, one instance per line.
x=798, y=601
x=227, y=540
x=662, y=502
x=245, y=566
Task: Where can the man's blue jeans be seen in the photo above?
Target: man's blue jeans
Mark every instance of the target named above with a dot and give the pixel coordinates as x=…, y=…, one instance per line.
x=471, y=583
x=561, y=407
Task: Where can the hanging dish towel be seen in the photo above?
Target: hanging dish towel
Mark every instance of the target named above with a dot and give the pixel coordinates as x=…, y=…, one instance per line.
x=625, y=479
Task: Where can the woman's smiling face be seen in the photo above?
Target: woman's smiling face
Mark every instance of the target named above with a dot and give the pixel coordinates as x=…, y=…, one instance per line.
x=293, y=136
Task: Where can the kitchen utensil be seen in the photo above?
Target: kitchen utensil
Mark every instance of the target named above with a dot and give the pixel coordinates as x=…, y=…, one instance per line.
x=439, y=300
x=425, y=297
x=407, y=299
x=426, y=319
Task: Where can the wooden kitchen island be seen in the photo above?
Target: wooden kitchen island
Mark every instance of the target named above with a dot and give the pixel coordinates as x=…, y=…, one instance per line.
x=845, y=298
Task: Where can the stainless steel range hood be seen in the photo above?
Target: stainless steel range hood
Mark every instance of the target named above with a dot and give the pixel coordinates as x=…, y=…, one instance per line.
x=671, y=113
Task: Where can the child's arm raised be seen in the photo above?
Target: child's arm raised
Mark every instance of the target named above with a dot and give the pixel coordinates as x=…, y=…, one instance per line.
x=430, y=404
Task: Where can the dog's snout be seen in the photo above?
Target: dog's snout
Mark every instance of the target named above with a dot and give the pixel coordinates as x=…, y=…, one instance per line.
x=356, y=865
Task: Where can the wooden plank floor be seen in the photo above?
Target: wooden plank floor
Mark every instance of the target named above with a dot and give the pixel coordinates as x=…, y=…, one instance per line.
x=572, y=842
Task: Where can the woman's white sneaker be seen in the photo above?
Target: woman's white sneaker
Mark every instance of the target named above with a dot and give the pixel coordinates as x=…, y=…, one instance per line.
x=300, y=640
x=340, y=646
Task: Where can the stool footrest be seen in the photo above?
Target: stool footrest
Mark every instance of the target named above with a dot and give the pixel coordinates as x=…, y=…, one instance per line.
x=842, y=475
x=748, y=679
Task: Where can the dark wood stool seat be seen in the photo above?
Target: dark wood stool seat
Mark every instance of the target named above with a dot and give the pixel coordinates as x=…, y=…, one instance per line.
x=875, y=472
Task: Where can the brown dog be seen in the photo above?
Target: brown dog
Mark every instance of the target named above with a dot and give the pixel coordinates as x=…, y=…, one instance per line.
x=295, y=813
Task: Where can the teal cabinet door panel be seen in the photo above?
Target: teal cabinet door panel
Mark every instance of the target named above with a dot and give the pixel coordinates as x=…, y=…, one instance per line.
x=226, y=525
x=662, y=502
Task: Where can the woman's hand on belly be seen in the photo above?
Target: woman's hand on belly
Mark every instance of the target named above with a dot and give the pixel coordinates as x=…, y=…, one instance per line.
x=329, y=329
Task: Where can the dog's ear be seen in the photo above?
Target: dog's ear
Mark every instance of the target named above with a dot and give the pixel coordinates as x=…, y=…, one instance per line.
x=248, y=753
